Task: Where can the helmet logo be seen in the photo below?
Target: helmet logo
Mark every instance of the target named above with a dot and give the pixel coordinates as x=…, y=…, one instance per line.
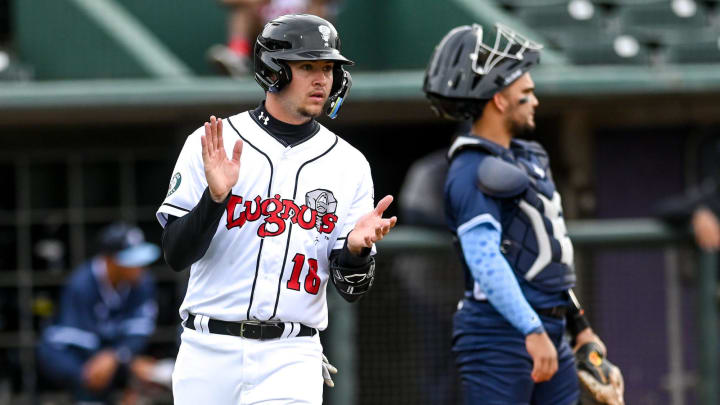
x=513, y=76
x=324, y=33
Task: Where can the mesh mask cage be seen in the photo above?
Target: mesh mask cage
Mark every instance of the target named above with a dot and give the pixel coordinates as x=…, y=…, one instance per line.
x=508, y=44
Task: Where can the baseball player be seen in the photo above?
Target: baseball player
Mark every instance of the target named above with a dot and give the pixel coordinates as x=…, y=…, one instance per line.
x=265, y=207
x=107, y=313
x=502, y=206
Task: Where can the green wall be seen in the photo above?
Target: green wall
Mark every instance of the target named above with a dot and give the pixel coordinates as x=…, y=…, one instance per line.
x=395, y=34
x=62, y=42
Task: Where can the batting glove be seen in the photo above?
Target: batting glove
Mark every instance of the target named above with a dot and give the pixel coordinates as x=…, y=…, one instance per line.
x=328, y=369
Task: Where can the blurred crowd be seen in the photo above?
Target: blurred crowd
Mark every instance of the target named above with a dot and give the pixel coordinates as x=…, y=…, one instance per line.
x=245, y=20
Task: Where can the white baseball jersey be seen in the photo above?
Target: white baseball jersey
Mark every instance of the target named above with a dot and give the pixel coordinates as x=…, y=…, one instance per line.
x=291, y=206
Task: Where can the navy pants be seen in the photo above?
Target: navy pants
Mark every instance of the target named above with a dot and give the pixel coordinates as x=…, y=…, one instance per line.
x=495, y=366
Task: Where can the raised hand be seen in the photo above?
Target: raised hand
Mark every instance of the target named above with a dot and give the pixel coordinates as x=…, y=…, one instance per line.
x=221, y=173
x=371, y=227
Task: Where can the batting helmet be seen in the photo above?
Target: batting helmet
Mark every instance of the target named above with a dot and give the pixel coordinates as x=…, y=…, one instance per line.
x=297, y=37
x=464, y=72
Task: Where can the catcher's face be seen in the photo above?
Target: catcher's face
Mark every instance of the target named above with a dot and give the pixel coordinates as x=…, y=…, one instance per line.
x=309, y=88
x=520, y=114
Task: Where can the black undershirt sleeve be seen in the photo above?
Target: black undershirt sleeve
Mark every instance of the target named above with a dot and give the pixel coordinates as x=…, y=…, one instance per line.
x=186, y=239
x=347, y=259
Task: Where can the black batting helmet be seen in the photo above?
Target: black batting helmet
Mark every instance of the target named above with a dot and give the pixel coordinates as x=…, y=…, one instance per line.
x=300, y=37
x=464, y=72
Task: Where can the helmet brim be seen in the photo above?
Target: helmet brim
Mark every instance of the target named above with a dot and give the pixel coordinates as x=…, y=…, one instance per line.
x=312, y=54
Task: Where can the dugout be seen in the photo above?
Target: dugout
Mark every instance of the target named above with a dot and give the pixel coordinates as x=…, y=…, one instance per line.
x=91, y=123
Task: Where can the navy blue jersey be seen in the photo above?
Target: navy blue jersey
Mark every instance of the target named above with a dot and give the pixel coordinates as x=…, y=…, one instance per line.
x=534, y=238
x=94, y=316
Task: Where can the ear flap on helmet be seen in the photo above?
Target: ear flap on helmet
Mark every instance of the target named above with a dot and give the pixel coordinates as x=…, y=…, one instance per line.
x=272, y=74
x=337, y=97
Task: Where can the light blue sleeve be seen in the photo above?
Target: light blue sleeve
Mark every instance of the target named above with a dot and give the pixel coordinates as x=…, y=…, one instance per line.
x=481, y=247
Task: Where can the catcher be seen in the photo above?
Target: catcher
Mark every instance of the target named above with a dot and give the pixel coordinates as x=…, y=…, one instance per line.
x=502, y=206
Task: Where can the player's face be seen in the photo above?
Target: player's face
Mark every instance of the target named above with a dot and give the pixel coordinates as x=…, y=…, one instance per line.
x=123, y=274
x=520, y=115
x=309, y=87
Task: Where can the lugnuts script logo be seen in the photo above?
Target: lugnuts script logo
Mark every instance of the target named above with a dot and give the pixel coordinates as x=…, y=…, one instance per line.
x=318, y=212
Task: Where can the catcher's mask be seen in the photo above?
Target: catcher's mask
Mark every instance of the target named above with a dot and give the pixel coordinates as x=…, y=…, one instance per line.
x=464, y=72
x=298, y=37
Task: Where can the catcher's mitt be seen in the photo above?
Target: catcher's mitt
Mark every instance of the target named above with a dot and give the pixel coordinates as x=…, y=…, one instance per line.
x=601, y=381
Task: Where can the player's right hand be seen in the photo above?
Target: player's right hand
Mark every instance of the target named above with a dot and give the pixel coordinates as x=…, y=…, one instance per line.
x=544, y=355
x=221, y=173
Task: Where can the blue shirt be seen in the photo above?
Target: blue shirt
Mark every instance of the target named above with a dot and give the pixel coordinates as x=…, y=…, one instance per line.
x=94, y=316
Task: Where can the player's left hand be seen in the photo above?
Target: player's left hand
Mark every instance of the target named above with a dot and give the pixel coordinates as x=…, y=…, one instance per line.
x=328, y=369
x=586, y=336
x=602, y=379
x=371, y=227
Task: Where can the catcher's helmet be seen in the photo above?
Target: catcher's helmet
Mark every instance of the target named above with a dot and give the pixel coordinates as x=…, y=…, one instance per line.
x=300, y=37
x=464, y=72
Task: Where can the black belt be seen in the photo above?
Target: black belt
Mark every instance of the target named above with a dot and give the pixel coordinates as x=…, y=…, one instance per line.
x=553, y=312
x=250, y=329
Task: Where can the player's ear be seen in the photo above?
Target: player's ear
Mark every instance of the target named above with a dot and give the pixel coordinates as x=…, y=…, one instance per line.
x=500, y=101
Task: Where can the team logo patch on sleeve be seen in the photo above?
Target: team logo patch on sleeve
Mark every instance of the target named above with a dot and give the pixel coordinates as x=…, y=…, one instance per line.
x=174, y=183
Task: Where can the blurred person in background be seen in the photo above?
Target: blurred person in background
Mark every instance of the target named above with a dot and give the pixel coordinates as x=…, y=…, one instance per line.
x=245, y=20
x=107, y=313
x=432, y=280
x=700, y=207
x=505, y=213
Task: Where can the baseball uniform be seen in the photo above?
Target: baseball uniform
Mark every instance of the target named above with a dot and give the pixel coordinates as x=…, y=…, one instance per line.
x=268, y=259
x=97, y=316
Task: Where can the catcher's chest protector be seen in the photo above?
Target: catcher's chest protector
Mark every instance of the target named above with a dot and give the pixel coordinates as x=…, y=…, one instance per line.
x=534, y=235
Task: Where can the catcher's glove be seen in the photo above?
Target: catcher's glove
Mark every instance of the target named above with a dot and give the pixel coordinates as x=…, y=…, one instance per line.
x=601, y=381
